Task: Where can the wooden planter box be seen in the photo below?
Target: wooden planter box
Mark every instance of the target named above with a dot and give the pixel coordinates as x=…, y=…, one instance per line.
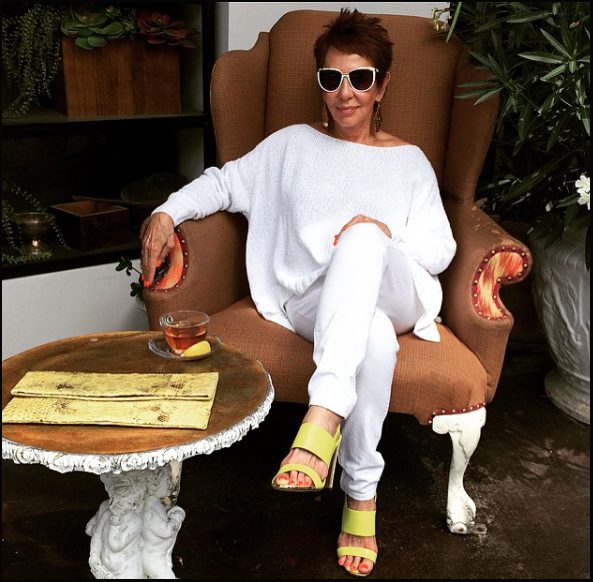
x=89, y=225
x=123, y=78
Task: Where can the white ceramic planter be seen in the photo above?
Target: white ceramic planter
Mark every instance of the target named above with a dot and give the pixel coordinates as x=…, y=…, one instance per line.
x=561, y=289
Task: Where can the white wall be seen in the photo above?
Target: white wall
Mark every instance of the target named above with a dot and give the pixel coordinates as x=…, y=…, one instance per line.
x=51, y=306
x=238, y=23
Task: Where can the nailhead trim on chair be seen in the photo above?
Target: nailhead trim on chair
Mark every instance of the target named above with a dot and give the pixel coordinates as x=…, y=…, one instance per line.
x=441, y=411
x=503, y=265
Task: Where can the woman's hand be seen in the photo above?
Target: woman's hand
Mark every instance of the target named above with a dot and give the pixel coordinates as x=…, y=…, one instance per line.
x=158, y=239
x=361, y=218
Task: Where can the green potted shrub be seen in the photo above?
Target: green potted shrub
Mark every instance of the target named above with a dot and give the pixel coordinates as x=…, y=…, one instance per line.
x=537, y=55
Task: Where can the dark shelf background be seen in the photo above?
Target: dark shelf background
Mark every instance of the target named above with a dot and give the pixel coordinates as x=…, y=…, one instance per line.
x=54, y=157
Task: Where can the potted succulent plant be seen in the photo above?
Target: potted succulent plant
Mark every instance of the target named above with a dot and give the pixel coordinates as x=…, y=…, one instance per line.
x=93, y=29
x=157, y=29
x=141, y=44
x=538, y=58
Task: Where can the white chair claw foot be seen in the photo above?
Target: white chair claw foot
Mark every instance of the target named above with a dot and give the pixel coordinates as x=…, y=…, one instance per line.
x=464, y=429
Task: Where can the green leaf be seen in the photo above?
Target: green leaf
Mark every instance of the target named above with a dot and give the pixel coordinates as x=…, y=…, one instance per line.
x=113, y=29
x=527, y=184
x=83, y=43
x=488, y=95
x=554, y=73
x=556, y=44
x=581, y=95
x=490, y=24
x=568, y=201
x=519, y=6
x=567, y=37
x=570, y=214
x=583, y=115
x=454, y=21
x=481, y=59
x=96, y=41
x=485, y=83
x=548, y=103
x=557, y=130
x=541, y=57
x=470, y=94
x=524, y=122
x=529, y=17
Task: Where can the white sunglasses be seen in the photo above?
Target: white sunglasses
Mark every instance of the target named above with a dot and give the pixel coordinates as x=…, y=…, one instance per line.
x=361, y=79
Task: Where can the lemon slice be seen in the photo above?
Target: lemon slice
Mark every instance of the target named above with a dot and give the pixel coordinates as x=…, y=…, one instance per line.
x=198, y=349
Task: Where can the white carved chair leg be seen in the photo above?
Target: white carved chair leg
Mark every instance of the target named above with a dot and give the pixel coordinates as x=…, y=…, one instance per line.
x=464, y=429
x=134, y=531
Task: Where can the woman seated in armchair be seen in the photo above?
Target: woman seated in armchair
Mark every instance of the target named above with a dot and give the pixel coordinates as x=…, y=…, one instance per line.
x=347, y=234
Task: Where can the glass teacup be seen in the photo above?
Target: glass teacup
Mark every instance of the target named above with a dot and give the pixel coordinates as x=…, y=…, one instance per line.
x=184, y=328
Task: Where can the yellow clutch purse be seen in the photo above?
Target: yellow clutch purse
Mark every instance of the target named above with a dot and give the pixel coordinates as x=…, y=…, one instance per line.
x=149, y=400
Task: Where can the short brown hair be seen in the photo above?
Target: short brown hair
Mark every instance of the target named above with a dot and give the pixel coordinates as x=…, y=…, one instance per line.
x=353, y=32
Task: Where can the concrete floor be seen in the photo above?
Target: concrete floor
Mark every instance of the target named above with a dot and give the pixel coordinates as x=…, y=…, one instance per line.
x=529, y=478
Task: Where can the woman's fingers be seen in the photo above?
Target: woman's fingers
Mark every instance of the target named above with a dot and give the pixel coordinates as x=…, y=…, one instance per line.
x=362, y=218
x=157, y=241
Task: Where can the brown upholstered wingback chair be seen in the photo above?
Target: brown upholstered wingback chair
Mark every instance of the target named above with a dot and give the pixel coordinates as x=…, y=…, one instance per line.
x=254, y=93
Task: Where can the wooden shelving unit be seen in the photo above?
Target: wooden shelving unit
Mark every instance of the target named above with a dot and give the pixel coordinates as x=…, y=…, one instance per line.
x=115, y=139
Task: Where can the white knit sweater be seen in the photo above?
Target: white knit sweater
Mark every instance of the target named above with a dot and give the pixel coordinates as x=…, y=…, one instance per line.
x=299, y=187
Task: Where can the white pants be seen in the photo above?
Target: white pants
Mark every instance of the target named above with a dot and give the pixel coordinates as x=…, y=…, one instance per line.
x=353, y=315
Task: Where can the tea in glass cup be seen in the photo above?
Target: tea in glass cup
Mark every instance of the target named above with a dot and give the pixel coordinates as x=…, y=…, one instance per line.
x=182, y=329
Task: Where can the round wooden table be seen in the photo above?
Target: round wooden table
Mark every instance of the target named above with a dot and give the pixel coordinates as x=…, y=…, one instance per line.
x=133, y=533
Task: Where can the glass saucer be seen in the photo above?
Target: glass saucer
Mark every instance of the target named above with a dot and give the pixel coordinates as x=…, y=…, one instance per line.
x=161, y=348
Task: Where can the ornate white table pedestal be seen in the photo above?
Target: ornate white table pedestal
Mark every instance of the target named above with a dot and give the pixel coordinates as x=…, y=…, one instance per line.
x=135, y=529
x=133, y=533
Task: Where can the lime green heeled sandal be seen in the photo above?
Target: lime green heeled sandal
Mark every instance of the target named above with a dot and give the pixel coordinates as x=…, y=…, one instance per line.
x=322, y=444
x=358, y=523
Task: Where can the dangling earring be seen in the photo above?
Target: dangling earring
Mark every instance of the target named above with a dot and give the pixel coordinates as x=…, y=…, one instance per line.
x=326, y=117
x=377, y=118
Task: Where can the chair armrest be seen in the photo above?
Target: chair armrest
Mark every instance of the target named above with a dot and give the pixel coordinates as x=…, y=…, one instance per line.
x=487, y=258
x=213, y=274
